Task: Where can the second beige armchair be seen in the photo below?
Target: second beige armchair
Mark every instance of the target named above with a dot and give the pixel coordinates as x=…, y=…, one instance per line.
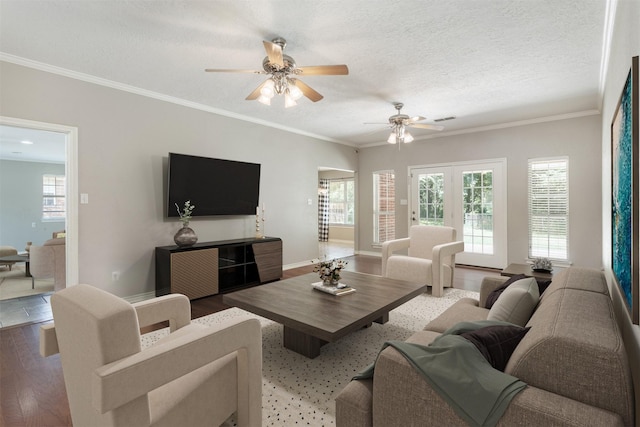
x=49, y=262
x=430, y=257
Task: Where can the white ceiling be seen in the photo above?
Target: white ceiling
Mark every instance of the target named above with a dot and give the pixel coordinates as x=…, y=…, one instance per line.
x=31, y=145
x=485, y=62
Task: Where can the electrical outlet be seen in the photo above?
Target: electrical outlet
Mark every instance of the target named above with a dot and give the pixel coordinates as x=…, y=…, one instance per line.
x=115, y=276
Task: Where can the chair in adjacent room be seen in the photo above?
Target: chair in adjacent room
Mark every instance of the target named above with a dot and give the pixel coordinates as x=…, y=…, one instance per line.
x=195, y=376
x=49, y=261
x=430, y=257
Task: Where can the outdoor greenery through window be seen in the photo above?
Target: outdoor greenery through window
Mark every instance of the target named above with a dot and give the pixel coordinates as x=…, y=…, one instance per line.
x=384, y=206
x=477, y=202
x=549, y=208
x=341, y=201
x=54, y=205
x=431, y=195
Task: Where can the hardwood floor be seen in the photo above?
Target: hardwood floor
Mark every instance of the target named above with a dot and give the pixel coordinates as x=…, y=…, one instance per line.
x=32, y=391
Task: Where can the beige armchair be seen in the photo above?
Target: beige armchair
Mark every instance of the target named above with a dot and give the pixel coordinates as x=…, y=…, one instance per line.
x=49, y=261
x=195, y=376
x=430, y=257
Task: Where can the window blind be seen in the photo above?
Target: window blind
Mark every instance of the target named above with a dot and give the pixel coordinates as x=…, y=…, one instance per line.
x=549, y=208
x=53, y=197
x=384, y=206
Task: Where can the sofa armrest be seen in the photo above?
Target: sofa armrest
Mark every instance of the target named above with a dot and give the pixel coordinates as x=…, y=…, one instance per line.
x=389, y=247
x=175, y=308
x=401, y=396
x=488, y=285
x=124, y=380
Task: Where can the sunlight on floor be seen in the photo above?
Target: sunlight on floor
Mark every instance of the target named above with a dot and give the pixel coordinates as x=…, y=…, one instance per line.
x=335, y=249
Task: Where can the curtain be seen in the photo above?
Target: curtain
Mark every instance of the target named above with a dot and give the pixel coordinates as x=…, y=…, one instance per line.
x=323, y=210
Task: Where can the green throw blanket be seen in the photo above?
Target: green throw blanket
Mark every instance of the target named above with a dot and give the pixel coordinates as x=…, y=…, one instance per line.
x=456, y=369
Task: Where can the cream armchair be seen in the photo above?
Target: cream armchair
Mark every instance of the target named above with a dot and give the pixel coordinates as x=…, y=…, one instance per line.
x=430, y=259
x=49, y=262
x=195, y=376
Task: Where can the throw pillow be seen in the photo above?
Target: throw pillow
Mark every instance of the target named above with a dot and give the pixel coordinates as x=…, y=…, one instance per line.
x=493, y=295
x=497, y=343
x=517, y=302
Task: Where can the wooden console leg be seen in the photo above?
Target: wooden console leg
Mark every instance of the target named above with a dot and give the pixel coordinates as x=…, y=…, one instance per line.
x=304, y=344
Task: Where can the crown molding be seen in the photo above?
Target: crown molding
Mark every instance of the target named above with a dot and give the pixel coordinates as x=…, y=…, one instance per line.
x=155, y=95
x=499, y=126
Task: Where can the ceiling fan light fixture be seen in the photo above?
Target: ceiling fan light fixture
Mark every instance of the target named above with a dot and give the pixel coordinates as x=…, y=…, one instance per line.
x=264, y=100
x=392, y=138
x=268, y=89
x=407, y=137
x=289, y=101
x=294, y=91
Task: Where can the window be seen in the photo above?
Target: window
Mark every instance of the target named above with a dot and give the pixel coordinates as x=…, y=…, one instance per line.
x=549, y=208
x=431, y=194
x=54, y=205
x=384, y=206
x=341, y=201
x=477, y=202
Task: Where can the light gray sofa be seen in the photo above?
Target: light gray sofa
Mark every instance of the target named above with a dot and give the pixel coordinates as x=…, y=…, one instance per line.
x=573, y=360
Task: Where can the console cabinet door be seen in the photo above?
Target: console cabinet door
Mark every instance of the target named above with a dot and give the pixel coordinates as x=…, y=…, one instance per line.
x=195, y=273
x=268, y=256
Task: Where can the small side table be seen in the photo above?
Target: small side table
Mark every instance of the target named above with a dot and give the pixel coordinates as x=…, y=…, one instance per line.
x=514, y=269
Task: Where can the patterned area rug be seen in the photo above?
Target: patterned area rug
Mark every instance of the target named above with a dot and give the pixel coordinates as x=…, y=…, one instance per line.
x=301, y=391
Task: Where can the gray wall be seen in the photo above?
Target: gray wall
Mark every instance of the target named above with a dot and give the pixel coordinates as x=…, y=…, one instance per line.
x=21, y=203
x=577, y=138
x=123, y=143
x=625, y=43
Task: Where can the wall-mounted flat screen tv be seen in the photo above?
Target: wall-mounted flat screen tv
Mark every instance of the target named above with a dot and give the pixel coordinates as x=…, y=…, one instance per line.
x=214, y=186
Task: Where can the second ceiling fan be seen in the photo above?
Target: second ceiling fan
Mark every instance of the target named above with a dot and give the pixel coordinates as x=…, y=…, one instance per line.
x=283, y=72
x=398, y=122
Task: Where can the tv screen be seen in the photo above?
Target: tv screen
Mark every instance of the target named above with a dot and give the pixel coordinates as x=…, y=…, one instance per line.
x=214, y=186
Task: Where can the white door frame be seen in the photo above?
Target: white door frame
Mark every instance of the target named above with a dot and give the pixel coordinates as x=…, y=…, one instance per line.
x=71, y=173
x=454, y=216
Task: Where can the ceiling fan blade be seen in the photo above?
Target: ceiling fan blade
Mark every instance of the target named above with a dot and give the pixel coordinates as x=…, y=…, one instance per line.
x=425, y=126
x=416, y=119
x=231, y=70
x=383, y=129
x=274, y=52
x=256, y=93
x=308, y=91
x=324, y=70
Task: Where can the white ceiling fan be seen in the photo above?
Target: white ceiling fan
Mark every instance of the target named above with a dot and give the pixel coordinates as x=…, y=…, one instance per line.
x=283, y=73
x=398, y=122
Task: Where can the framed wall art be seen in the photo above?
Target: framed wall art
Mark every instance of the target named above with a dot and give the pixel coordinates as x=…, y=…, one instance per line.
x=624, y=192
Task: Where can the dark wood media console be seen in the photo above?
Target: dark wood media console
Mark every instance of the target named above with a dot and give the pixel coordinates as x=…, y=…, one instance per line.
x=210, y=268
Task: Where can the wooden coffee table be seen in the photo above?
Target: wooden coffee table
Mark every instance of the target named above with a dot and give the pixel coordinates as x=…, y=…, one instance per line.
x=312, y=318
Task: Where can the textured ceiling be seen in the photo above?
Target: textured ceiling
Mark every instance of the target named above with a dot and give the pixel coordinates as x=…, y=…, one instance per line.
x=486, y=62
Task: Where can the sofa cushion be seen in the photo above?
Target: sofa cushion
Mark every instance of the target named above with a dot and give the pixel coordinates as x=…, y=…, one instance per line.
x=575, y=342
x=496, y=343
x=517, y=302
x=408, y=268
x=493, y=296
x=463, y=310
x=584, y=279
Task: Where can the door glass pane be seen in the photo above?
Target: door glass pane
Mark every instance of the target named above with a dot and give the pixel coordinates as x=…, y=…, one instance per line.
x=477, y=202
x=431, y=199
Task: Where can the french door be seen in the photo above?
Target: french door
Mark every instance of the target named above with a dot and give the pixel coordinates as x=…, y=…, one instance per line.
x=471, y=197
